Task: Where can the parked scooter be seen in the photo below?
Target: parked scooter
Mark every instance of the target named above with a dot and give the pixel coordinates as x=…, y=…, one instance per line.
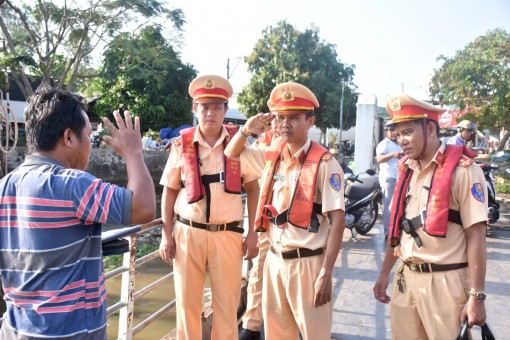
x=361, y=202
x=488, y=169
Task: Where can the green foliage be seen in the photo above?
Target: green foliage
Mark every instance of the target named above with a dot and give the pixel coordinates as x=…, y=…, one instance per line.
x=285, y=54
x=153, y=134
x=333, y=139
x=143, y=73
x=503, y=184
x=115, y=261
x=111, y=262
x=55, y=40
x=478, y=78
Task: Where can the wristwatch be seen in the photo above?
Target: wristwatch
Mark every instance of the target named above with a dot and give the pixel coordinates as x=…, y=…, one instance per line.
x=480, y=296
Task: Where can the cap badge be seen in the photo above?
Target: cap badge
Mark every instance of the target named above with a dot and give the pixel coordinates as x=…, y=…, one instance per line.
x=395, y=104
x=209, y=84
x=287, y=95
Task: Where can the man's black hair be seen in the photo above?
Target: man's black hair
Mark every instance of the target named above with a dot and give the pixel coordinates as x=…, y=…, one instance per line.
x=49, y=113
x=427, y=121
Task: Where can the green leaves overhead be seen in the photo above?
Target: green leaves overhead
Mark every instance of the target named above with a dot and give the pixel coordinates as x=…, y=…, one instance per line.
x=60, y=36
x=478, y=78
x=143, y=73
x=285, y=54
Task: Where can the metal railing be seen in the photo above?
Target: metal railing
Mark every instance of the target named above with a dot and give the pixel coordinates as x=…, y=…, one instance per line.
x=128, y=294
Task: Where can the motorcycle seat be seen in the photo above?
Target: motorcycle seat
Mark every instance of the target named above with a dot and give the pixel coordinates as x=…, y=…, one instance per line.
x=358, y=190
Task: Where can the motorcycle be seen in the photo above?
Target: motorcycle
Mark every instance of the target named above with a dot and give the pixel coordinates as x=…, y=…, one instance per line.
x=362, y=199
x=488, y=169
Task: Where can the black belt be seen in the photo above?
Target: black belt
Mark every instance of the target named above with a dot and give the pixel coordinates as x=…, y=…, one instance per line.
x=296, y=253
x=232, y=226
x=410, y=225
x=430, y=267
x=453, y=216
x=282, y=218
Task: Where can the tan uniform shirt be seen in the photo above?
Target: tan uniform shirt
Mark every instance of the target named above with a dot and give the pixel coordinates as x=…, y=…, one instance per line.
x=225, y=207
x=465, y=183
x=329, y=192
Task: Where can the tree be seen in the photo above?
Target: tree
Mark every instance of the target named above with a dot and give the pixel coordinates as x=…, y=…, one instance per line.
x=143, y=73
x=478, y=78
x=285, y=54
x=55, y=41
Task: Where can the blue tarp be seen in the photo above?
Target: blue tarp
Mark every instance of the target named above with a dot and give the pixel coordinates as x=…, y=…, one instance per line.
x=169, y=133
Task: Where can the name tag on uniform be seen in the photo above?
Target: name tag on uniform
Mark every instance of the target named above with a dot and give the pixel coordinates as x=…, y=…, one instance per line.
x=279, y=177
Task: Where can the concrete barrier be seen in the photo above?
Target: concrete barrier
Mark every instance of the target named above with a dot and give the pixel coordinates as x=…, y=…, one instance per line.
x=105, y=163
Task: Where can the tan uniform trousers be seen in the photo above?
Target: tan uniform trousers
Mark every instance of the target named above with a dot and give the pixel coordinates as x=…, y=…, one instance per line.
x=287, y=300
x=222, y=253
x=252, y=318
x=430, y=306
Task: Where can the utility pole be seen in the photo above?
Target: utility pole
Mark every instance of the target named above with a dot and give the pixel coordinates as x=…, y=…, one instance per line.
x=341, y=115
x=229, y=74
x=228, y=68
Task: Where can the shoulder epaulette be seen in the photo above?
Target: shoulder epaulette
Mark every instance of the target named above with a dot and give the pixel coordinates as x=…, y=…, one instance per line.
x=327, y=156
x=465, y=161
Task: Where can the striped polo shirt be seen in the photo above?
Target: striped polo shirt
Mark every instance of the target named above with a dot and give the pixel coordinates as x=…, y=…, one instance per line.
x=50, y=249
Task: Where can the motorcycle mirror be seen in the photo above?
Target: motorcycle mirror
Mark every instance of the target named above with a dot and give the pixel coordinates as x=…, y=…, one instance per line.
x=497, y=154
x=371, y=172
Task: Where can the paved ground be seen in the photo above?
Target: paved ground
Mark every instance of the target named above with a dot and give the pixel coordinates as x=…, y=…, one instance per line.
x=357, y=315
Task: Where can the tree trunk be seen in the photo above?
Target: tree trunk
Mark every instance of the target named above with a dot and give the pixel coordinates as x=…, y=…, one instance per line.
x=503, y=140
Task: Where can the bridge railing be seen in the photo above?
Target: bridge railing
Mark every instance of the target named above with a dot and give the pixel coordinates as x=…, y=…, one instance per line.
x=128, y=295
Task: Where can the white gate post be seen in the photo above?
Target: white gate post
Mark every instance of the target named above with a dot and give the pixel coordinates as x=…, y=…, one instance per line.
x=366, y=118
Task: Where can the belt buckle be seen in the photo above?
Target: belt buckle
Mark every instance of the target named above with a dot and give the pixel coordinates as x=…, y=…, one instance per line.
x=214, y=227
x=414, y=267
x=222, y=176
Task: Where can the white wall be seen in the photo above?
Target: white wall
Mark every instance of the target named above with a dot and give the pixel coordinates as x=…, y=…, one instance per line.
x=18, y=108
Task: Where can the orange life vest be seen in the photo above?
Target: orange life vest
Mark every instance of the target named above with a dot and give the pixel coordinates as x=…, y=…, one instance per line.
x=438, y=212
x=197, y=184
x=301, y=206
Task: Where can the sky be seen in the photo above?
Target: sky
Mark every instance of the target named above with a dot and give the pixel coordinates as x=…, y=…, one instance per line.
x=393, y=44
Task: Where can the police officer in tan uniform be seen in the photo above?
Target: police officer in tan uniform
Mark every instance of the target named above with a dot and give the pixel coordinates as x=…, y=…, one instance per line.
x=301, y=208
x=437, y=230
x=202, y=193
x=252, y=318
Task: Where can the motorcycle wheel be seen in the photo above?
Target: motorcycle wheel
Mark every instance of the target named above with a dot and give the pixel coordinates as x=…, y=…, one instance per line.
x=368, y=218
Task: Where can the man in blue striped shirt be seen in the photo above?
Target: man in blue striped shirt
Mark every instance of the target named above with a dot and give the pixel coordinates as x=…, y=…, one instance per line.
x=51, y=215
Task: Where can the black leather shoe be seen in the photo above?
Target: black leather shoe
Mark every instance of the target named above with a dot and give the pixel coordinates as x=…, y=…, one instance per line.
x=248, y=334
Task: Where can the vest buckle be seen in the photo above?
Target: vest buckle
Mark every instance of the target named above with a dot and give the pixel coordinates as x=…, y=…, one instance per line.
x=423, y=215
